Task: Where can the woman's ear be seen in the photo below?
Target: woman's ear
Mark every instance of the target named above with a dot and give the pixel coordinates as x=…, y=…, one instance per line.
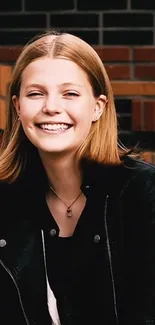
x=15, y=101
x=101, y=102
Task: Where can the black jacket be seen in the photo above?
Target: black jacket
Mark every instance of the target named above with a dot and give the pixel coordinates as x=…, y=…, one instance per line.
x=124, y=197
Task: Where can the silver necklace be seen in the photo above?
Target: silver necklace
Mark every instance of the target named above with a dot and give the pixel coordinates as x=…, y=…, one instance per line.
x=69, y=207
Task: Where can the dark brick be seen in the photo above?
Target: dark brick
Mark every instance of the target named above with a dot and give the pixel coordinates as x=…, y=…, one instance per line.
x=145, y=140
x=128, y=20
x=8, y=5
x=149, y=115
x=139, y=4
x=101, y=4
x=91, y=36
x=47, y=5
x=23, y=21
x=134, y=37
x=123, y=106
x=74, y=20
x=124, y=123
x=137, y=114
x=17, y=38
x=139, y=140
x=21, y=38
x=127, y=139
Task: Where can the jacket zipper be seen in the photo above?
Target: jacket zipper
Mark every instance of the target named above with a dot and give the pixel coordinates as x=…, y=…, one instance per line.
x=20, y=300
x=110, y=257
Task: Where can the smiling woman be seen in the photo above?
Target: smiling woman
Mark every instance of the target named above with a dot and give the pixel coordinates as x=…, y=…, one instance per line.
x=56, y=105
x=75, y=252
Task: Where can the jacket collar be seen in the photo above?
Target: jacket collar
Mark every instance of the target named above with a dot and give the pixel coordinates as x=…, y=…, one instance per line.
x=111, y=178
x=95, y=175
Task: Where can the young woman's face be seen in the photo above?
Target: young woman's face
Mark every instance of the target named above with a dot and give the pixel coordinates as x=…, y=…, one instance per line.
x=56, y=105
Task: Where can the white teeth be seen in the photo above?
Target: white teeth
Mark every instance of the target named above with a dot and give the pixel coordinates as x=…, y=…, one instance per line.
x=54, y=127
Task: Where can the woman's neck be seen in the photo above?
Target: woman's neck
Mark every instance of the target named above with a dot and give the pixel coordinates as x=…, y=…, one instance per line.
x=64, y=175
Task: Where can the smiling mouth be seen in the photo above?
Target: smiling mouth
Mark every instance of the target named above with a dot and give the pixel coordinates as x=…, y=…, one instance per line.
x=54, y=126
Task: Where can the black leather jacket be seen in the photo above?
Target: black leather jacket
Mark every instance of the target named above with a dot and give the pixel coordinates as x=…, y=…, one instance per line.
x=125, y=198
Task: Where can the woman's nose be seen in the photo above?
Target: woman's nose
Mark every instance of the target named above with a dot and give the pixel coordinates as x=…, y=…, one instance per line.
x=52, y=105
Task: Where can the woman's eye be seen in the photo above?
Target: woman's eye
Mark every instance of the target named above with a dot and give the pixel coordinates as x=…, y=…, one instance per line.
x=35, y=94
x=71, y=94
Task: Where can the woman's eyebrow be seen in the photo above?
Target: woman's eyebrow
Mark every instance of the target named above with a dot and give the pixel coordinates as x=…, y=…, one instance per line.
x=64, y=84
x=71, y=84
x=33, y=85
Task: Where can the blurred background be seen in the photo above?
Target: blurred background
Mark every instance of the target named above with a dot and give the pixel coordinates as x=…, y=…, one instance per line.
x=123, y=34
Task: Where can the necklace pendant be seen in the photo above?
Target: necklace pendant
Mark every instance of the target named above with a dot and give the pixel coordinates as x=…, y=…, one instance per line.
x=69, y=212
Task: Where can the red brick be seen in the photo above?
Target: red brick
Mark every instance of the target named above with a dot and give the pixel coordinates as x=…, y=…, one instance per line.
x=1, y=138
x=149, y=115
x=137, y=115
x=144, y=72
x=118, y=71
x=5, y=77
x=2, y=114
x=149, y=156
x=146, y=53
x=9, y=53
x=112, y=53
x=133, y=88
x=153, y=158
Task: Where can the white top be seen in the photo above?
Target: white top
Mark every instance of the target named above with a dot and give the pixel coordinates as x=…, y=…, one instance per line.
x=52, y=305
x=51, y=300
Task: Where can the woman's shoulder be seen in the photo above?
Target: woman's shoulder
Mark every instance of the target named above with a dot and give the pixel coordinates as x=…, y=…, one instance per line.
x=130, y=167
x=141, y=176
x=10, y=191
x=5, y=186
x=139, y=166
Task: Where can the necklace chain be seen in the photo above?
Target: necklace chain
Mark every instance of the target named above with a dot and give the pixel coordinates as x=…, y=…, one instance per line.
x=69, y=209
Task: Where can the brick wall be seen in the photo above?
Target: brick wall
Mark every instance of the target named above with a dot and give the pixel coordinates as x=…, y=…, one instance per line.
x=98, y=21
x=123, y=34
